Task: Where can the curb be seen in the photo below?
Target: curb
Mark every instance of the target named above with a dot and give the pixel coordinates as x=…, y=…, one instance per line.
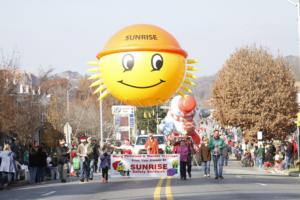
x=14, y=185
x=294, y=174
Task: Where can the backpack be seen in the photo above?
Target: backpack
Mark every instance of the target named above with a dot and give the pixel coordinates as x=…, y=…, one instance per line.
x=76, y=163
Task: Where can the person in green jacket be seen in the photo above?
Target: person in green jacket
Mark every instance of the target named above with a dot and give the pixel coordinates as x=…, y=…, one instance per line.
x=260, y=154
x=216, y=145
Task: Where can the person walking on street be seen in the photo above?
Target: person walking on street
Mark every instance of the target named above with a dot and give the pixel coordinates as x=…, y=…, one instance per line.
x=82, y=153
x=254, y=154
x=260, y=154
x=288, y=154
x=216, y=145
x=125, y=148
x=225, y=155
x=183, y=152
x=96, y=155
x=33, y=164
x=8, y=166
x=90, y=155
x=105, y=165
x=205, y=157
x=53, y=163
x=62, y=157
x=151, y=145
x=41, y=157
x=191, y=152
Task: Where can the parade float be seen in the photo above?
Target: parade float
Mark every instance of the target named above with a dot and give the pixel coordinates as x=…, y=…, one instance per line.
x=142, y=65
x=180, y=118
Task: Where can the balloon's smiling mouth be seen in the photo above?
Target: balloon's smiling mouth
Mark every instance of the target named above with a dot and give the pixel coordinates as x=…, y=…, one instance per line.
x=142, y=87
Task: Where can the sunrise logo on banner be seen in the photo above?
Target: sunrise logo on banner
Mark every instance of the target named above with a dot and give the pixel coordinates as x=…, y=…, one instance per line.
x=143, y=165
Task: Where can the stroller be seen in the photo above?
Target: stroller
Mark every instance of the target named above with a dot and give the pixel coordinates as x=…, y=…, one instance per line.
x=247, y=160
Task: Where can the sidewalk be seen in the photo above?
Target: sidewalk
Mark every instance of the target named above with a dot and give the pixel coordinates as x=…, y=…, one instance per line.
x=47, y=181
x=292, y=172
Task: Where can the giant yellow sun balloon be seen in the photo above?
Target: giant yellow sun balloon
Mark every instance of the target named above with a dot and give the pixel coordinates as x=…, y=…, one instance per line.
x=142, y=65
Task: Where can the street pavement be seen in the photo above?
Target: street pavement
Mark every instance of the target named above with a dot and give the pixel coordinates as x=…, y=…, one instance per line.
x=239, y=183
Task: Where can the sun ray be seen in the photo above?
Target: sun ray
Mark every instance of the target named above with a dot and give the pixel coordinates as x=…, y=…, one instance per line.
x=96, y=83
x=94, y=63
x=103, y=95
x=94, y=77
x=192, y=68
x=186, y=89
x=94, y=70
x=99, y=89
x=189, y=75
x=189, y=82
x=181, y=93
x=191, y=61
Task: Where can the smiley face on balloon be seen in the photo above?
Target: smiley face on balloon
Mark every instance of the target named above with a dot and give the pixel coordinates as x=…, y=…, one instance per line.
x=142, y=65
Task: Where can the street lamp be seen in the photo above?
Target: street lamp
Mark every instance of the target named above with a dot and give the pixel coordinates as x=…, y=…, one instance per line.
x=101, y=123
x=67, y=127
x=298, y=134
x=297, y=5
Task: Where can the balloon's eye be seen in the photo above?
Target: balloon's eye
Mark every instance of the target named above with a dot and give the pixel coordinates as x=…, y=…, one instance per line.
x=157, y=62
x=128, y=62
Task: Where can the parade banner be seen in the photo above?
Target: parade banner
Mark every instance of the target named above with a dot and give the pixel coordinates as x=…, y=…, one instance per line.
x=143, y=165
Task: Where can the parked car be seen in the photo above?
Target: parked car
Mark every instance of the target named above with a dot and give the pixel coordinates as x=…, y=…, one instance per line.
x=139, y=146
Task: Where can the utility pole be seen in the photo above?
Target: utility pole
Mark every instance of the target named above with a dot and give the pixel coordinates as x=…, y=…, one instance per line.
x=68, y=105
x=157, y=119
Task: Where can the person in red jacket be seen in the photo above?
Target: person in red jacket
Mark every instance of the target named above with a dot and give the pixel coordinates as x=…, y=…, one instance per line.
x=125, y=148
x=295, y=150
x=151, y=145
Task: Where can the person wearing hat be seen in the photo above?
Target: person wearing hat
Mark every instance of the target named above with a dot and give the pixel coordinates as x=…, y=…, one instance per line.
x=62, y=157
x=84, y=162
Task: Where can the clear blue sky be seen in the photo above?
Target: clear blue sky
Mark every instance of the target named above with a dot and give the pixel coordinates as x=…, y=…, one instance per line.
x=65, y=34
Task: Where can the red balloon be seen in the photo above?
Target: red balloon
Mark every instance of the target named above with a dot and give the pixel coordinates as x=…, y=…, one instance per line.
x=187, y=104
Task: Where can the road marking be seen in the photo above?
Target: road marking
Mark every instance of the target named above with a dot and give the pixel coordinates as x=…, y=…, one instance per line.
x=238, y=176
x=48, y=193
x=157, y=190
x=262, y=184
x=169, y=195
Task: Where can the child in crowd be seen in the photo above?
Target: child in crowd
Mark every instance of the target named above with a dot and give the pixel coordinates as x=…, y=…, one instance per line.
x=105, y=165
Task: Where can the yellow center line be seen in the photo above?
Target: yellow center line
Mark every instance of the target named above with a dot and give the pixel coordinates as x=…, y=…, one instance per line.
x=157, y=190
x=169, y=195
